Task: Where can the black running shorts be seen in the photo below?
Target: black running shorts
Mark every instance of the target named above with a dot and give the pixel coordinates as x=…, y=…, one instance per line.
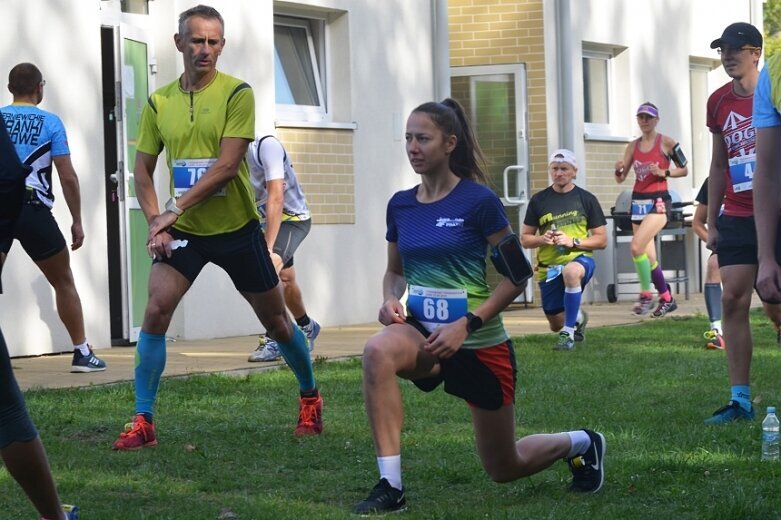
x=484, y=377
x=38, y=232
x=241, y=253
x=291, y=234
x=737, y=241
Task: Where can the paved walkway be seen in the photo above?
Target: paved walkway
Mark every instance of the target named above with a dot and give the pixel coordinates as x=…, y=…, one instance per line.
x=230, y=354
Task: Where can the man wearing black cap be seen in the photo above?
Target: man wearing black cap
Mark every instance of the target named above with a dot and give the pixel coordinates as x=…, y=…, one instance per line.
x=733, y=233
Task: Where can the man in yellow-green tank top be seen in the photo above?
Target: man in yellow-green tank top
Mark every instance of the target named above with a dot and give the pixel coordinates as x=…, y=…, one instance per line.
x=205, y=121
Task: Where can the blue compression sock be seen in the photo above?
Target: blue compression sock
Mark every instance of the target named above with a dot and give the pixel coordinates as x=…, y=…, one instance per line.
x=742, y=395
x=150, y=363
x=572, y=297
x=296, y=354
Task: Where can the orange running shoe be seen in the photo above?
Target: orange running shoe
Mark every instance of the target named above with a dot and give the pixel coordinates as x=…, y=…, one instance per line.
x=715, y=340
x=310, y=416
x=141, y=434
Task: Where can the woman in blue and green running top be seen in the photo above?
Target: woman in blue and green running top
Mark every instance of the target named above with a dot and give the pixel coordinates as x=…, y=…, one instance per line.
x=438, y=233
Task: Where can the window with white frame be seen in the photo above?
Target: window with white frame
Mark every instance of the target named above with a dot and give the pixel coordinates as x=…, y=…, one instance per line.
x=299, y=65
x=597, y=91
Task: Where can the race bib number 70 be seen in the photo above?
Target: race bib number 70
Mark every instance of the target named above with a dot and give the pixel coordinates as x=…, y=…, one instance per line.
x=436, y=307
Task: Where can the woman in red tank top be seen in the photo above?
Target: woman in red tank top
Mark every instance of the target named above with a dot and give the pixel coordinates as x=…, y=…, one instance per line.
x=649, y=156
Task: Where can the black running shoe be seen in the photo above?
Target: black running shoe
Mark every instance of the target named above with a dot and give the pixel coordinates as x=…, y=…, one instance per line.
x=588, y=471
x=664, y=308
x=580, y=327
x=384, y=498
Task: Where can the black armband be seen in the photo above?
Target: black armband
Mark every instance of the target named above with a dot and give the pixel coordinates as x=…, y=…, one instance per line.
x=677, y=156
x=510, y=261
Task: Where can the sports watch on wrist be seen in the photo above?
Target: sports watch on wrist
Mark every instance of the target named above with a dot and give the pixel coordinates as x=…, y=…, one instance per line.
x=473, y=322
x=575, y=243
x=173, y=208
x=666, y=173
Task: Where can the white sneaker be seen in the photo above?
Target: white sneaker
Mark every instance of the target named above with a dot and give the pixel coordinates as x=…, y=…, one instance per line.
x=311, y=332
x=268, y=352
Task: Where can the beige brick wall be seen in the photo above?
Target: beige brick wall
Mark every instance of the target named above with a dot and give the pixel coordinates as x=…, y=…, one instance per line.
x=601, y=157
x=323, y=160
x=493, y=32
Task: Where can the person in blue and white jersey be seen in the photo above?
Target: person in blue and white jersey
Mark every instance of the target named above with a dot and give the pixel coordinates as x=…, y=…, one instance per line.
x=40, y=141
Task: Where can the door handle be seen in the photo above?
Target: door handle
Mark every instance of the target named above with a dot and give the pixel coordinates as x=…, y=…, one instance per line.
x=521, y=197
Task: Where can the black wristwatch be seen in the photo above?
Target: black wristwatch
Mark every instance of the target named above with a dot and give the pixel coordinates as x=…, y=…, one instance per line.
x=473, y=322
x=666, y=173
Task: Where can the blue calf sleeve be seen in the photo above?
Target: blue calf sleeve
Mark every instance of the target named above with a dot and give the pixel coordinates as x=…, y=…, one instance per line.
x=296, y=354
x=150, y=363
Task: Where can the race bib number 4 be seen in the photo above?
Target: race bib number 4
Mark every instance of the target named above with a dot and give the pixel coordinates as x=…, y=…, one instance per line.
x=741, y=171
x=186, y=173
x=436, y=307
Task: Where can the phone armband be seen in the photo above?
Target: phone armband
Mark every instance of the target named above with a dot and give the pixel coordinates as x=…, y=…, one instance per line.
x=677, y=156
x=510, y=261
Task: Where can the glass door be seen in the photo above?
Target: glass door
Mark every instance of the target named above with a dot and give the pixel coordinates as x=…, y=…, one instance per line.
x=494, y=98
x=135, y=79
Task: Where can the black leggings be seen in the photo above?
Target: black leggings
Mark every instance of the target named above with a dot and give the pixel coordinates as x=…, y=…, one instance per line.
x=15, y=423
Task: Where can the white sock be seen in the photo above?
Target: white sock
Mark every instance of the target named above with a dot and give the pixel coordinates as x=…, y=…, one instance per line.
x=579, y=443
x=580, y=316
x=569, y=330
x=390, y=469
x=716, y=325
x=83, y=348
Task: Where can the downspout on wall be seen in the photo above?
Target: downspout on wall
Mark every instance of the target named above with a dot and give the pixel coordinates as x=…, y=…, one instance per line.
x=440, y=46
x=564, y=76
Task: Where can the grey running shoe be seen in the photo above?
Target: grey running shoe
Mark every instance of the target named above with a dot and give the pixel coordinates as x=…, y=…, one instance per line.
x=269, y=351
x=643, y=305
x=664, y=308
x=383, y=498
x=566, y=342
x=588, y=471
x=580, y=327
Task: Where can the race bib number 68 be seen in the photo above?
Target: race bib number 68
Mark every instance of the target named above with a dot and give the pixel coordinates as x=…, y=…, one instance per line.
x=435, y=307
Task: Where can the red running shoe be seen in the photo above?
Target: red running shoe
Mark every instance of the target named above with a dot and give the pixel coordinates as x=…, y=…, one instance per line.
x=310, y=416
x=141, y=434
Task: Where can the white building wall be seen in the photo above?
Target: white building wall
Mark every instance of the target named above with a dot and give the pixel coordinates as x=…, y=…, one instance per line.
x=340, y=266
x=661, y=39
x=65, y=44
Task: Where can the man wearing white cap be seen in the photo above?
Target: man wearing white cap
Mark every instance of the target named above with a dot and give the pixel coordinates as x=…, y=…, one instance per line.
x=571, y=225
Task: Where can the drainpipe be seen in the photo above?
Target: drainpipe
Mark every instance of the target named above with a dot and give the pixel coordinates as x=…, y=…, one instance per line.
x=564, y=79
x=440, y=49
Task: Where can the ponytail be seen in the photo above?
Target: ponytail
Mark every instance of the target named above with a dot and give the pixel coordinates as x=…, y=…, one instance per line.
x=467, y=159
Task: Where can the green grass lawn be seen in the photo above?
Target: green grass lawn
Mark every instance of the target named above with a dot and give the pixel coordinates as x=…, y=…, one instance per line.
x=226, y=444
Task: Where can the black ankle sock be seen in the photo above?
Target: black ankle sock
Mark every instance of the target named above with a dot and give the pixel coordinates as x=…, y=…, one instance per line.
x=147, y=416
x=311, y=393
x=303, y=321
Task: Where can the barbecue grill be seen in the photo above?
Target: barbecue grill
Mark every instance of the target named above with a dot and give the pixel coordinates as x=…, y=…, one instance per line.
x=673, y=250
